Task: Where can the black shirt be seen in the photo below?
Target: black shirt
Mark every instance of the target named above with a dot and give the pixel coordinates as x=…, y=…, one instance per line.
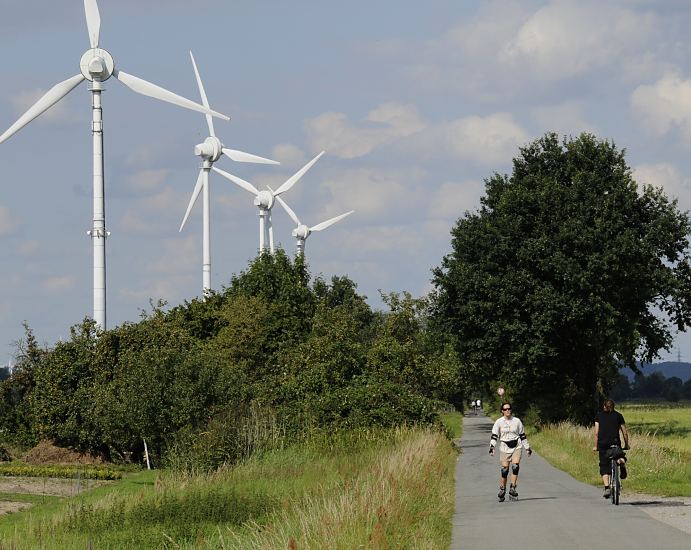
x=608, y=433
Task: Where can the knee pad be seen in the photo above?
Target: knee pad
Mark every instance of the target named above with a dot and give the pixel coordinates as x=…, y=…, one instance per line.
x=504, y=473
x=515, y=468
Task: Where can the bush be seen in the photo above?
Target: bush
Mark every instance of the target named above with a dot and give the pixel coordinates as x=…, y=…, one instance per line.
x=227, y=438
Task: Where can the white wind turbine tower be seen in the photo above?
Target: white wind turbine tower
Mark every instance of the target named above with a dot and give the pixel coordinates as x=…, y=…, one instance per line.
x=97, y=66
x=301, y=232
x=210, y=151
x=265, y=200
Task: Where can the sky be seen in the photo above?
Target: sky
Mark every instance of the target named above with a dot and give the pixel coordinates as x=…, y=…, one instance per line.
x=414, y=103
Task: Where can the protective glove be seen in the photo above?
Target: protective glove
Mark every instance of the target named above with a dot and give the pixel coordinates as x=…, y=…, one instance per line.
x=491, y=450
x=530, y=452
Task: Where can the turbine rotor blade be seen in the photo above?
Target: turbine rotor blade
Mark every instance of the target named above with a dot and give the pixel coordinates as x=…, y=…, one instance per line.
x=289, y=210
x=93, y=21
x=327, y=223
x=246, y=185
x=240, y=156
x=205, y=101
x=197, y=189
x=51, y=97
x=143, y=87
x=293, y=179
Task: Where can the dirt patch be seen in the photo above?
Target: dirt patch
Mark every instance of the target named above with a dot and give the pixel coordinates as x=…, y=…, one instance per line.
x=48, y=485
x=10, y=507
x=675, y=511
x=46, y=452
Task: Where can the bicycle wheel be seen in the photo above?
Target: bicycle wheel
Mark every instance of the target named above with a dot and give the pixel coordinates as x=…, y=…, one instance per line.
x=614, y=483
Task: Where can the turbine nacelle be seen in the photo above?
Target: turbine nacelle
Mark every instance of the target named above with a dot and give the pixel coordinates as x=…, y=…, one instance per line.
x=264, y=200
x=301, y=232
x=97, y=65
x=210, y=150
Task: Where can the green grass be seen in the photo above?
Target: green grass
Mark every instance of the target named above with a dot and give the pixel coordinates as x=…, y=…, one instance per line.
x=453, y=422
x=659, y=462
x=374, y=489
x=669, y=423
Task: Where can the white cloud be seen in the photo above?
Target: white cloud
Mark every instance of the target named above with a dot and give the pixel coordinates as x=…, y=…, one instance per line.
x=177, y=254
x=373, y=194
x=58, y=284
x=485, y=140
x=665, y=105
x=288, y=154
x=8, y=223
x=566, y=118
x=510, y=49
x=173, y=269
x=156, y=213
x=58, y=113
x=669, y=178
x=570, y=38
x=452, y=200
x=147, y=181
x=29, y=248
x=388, y=122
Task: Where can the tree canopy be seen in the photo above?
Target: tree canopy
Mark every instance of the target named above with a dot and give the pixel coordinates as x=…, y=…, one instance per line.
x=568, y=270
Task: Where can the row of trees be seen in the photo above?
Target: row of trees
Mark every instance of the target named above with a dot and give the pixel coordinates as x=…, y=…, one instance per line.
x=653, y=386
x=313, y=354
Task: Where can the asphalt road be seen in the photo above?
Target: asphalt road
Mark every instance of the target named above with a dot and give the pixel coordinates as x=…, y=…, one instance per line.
x=553, y=511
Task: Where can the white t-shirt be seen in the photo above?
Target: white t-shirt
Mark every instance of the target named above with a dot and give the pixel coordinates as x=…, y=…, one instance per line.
x=508, y=429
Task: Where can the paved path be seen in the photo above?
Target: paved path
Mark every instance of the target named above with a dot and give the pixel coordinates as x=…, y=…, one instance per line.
x=554, y=511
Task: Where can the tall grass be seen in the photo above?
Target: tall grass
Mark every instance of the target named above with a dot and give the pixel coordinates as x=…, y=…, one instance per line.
x=377, y=488
x=402, y=498
x=653, y=467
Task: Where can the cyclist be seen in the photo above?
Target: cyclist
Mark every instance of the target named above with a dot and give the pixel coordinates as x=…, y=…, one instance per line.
x=508, y=431
x=608, y=424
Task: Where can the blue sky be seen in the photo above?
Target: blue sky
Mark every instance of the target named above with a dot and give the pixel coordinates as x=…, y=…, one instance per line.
x=414, y=104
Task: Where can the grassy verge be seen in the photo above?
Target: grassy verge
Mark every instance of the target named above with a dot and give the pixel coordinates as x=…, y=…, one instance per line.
x=374, y=489
x=653, y=467
x=453, y=422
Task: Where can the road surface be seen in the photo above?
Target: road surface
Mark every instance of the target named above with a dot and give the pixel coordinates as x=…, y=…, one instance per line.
x=553, y=511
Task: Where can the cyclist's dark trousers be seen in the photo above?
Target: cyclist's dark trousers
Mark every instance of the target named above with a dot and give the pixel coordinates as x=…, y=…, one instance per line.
x=604, y=462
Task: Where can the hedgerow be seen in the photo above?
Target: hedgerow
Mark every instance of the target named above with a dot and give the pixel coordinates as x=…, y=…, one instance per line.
x=191, y=380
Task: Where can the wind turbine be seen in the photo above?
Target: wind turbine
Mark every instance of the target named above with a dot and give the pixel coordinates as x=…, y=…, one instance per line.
x=210, y=151
x=301, y=232
x=97, y=66
x=265, y=200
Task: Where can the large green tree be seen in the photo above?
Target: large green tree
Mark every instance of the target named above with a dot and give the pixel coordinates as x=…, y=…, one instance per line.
x=568, y=270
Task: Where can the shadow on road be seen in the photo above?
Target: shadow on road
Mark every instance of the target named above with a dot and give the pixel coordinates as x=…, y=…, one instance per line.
x=536, y=498
x=655, y=503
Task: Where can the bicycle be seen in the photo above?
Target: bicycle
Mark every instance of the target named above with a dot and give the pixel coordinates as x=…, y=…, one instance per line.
x=614, y=454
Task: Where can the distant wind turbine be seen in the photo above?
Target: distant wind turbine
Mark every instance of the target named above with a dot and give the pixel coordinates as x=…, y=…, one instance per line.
x=301, y=232
x=97, y=66
x=210, y=151
x=265, y=200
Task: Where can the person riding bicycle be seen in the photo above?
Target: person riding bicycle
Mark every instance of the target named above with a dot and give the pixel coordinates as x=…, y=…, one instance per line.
x=608, y=424
x=508, y=430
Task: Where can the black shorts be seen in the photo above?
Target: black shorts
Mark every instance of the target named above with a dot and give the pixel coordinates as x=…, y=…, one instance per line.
x=604, y=461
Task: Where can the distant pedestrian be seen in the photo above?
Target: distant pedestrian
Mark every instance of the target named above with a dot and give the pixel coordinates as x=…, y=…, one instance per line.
x=508, y=431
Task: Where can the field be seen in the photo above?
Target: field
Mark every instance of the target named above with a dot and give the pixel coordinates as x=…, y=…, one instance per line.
x=659, y=459
x=374, y=489
x=670, y=424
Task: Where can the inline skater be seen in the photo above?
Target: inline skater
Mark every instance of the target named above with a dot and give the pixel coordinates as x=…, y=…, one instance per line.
x=508, y=431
